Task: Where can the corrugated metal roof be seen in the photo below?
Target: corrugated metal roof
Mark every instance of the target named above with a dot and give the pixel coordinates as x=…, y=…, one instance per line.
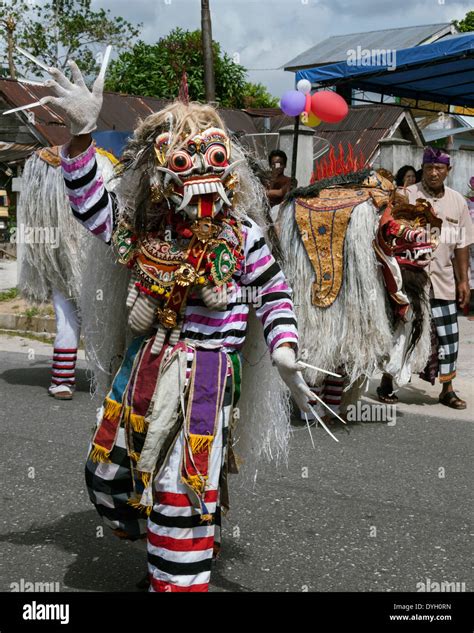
x=10, y=152
x=120, y=112
x=334, y=49
x=435, y=134
x=364, y=127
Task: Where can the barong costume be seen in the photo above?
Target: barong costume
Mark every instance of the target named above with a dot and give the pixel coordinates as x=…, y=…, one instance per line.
x=342, y=247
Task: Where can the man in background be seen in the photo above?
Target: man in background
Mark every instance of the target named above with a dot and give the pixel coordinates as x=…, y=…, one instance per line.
x=451, y=256
x=279, y=184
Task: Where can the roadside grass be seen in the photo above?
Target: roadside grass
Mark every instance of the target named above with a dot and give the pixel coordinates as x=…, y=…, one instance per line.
x=33, y=336
x=8, y=295
x=41, y=338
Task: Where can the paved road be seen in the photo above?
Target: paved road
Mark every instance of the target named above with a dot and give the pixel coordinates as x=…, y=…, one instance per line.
x=374, y=513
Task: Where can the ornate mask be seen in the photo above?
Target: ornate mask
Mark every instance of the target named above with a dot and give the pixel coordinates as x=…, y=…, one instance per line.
x=199, y=172
x=410, y=233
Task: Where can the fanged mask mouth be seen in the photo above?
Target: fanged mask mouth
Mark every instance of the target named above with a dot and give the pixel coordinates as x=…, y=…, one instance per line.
x=419, y=257
x=195, y=186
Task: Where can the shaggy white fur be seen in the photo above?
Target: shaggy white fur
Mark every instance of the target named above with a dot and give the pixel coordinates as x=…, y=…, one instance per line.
x=355, y=331
x=56, y=254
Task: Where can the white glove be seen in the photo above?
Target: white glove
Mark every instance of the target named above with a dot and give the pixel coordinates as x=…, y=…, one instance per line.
x=80, y=104
x=284, y=359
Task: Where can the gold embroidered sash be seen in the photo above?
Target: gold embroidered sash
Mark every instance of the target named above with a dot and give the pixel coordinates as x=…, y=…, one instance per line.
x=322, y=223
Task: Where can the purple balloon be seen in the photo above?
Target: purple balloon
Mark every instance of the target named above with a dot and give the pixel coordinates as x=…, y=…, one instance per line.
x=293, y=102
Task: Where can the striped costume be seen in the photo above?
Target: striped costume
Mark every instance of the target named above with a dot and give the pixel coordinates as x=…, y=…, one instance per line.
x=191, y=383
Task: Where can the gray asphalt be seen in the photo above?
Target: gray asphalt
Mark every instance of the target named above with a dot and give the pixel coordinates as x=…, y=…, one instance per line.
x=372, y=514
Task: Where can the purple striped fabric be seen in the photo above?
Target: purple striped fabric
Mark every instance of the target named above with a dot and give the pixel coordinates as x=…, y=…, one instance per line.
x=70, y=166
x=82, y=199
x=284, y=337
x=78, y=201
x=261, y=262
x=207, y=320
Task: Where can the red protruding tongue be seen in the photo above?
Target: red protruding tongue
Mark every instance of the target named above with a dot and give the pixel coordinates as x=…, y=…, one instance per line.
x=206, y=205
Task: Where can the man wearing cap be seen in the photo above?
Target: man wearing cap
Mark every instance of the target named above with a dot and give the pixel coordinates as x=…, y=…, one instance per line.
x=452, y=254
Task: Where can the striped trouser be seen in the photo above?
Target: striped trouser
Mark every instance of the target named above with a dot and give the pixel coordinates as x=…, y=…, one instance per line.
x=180, y=545
x=66, y=341
x=331, y=393
x=445, y=319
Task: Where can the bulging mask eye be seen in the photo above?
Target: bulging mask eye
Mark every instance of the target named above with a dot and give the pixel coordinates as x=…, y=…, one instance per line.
x=180, y=161
x=216, y=156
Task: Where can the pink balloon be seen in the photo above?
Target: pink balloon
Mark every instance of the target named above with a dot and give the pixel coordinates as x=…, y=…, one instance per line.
x=292, y=103
x=329, y=106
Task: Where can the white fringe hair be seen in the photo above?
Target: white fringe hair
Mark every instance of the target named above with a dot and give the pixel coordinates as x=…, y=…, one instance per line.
x=356, y=330
x=57, y=258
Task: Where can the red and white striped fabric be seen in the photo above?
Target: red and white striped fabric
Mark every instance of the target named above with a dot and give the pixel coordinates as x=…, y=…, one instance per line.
x=332, y=392
x=180, y=546
x=64, y=366
x=66, y=341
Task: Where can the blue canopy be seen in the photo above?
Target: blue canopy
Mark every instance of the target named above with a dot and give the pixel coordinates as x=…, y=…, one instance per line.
x=112, y=141
x=442, y=72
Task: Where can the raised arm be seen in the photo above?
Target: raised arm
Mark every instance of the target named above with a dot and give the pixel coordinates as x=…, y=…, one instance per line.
x=91, y=204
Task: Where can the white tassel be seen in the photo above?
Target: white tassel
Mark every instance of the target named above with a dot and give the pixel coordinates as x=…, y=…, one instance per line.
x=159, y=340
x=133, y=292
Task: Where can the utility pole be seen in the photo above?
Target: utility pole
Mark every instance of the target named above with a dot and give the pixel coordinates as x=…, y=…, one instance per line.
x=10, y=25
x=206, y=33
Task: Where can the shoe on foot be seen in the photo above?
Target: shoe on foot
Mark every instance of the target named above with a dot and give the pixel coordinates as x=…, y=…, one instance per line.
x=61, y=392
x=450, y=399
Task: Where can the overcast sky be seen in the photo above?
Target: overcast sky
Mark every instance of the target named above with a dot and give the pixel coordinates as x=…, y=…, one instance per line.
x=266, y=34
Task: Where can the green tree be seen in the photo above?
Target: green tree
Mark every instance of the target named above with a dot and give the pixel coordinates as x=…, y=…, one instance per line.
x=257, y=96
x=156, y=70
x=61, y=29
x=467, y=24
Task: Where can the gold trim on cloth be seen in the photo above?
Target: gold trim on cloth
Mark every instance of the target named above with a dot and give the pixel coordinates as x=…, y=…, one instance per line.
x=50, y=155
x=322, y=223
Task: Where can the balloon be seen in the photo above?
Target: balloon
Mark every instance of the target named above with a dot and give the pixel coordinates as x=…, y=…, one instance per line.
x=293, y=102
x=304, y=86
x=313, y=120
x=329, y=106
x=309, y=119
